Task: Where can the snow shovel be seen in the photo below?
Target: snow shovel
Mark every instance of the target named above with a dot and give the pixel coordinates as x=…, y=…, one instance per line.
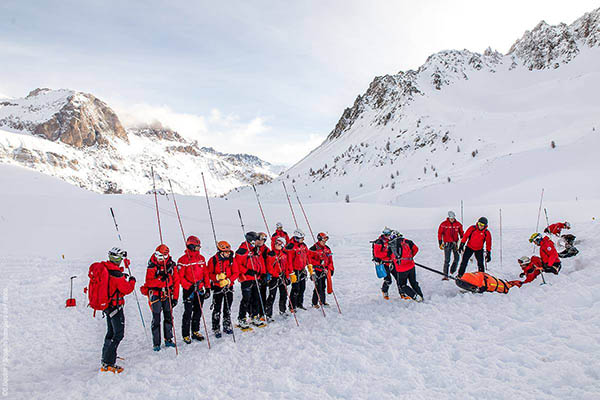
x=71, y=301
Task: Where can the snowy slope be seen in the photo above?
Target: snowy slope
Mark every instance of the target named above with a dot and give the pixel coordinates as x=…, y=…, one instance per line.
x=455, y=124
x=78, y=138
x=537, y=342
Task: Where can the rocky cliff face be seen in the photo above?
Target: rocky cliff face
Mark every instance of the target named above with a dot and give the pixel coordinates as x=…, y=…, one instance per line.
x=77, y=137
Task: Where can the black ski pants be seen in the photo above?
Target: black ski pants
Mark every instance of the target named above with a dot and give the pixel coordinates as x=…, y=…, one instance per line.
x=246, y=302
x=115, y=323
x=192, y=311
x=465, y=260
x=411, y=276
x=161, y=305
x=222, y=299
x=320, y=285
x=450, y=249
x=387, y=281
x=298, y=288
x=276, y=284
x=262, y=292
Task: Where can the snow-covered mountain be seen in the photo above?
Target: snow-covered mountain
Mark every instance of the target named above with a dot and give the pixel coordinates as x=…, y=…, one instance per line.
x=77, y=137
x=462, y=118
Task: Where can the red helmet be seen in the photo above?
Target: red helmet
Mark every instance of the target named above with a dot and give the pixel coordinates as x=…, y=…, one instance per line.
x=162, y=252
x=322, y=236
x=192, y=242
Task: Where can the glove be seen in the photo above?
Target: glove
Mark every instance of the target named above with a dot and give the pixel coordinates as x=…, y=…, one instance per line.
x=515, y=283
x=461, y=248
x=332, y=271
x=310, y=270
x=441, y=244
x=224, y=282
x=268, y=277
x=132, y=279
x=488, y=256
x=293, y=277
x=207, y=294
x=522, y=275
x=173, y=302
x=221, y=276
x=126, y=262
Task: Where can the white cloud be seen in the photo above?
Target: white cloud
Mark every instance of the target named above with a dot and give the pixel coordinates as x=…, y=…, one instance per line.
x=225, y=132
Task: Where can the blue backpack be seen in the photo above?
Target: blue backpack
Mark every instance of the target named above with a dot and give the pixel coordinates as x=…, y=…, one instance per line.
x=380, y=270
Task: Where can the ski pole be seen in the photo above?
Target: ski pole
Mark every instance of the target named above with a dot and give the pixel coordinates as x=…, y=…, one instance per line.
x=462, y=219
x=547, y=220
x=290, y=203
x=156, y=204
x=172, y=321
x=292, y=310
x=313, y=237
x=303, y=212
x=435, y=271
x=500, y=238
x=252, y=263
x=212, y=224
x=129, y=270
x=193, y=272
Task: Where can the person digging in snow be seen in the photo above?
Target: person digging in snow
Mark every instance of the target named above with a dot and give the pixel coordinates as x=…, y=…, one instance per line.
x=568, y=239
x=532, y=268
x=548, y=254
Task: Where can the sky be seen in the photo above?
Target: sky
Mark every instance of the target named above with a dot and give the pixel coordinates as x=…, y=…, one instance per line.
x=269, y=78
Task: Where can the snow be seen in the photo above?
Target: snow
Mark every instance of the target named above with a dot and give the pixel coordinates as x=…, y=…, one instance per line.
x=535, y=342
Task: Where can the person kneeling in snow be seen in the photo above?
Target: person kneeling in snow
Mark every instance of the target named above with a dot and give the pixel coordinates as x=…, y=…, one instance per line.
x=403, y=251
x=568, y=239
x=162, y=289
x=532, y=268
x=548, y=254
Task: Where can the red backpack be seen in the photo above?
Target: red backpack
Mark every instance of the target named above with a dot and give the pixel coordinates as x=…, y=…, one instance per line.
x=97, y=289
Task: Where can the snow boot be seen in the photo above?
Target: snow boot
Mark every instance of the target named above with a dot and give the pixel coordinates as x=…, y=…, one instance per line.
x=197, y=336
x=301, y=307
x=217, y=334
x=156, y=348
x=284, y=314
x=257, y=322
x=386, y=296
x=228, y=331
x=169, y=343
x=115, y=369
x=187, y=340
x=316, y=306
x=243, y=325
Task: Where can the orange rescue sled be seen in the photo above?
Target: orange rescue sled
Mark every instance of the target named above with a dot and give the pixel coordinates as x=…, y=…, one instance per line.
x=479, y=282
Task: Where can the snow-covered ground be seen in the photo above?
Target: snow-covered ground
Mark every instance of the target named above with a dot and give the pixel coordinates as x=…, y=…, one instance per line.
x=535, y=342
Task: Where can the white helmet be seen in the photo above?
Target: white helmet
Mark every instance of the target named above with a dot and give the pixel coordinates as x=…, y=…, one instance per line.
x=451, y=214
x=524, y=260
x=280, y=240
x=298, y=234
x=278, y=225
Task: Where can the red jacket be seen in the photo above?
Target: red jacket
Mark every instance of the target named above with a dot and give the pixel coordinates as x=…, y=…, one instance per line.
x=474, y=238
x=160, y=275
x=381, y=250
x=321, y=257
x=278, y=262
x=555, y=228
x=250, y=262
x=192, y=269
x=532, y=270
x=450, y=232
x=298, y=253
x=118, y=285
x=219, y=265
x=279, y=233
x=548, y=252
x=404, y=251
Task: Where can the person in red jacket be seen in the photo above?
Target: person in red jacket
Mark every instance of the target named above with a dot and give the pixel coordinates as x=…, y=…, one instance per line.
x=404, y=251
x=449, y=234
x=251, y=266
x=223, y=271
x=119, y=285
x=382, y=254
x=162, y=286
x=532, y=268
x=548, y=254
x=298, y=255
x=278, y=277
x=264, y=250
x=321, y=260
x=475, y=238
x=279, y=232
x=193, y=276
x=557, y=228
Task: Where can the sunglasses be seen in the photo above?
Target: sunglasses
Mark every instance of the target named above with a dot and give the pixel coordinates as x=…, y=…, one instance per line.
x=481, y=225
x=160, y=256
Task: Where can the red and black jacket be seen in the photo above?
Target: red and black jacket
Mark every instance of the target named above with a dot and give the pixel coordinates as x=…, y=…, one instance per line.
x=381, y=251
x=162, y=276
x=475, y=238
x=532, y=270
x=192, y=269
x=403, y=251
x=118, y=285
x=450, y=232
x=548, y=252
x=321, y=257
x=555, y=229
x=278, y=263
x=250, y=262
x=218, y=264
x=298, y=253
